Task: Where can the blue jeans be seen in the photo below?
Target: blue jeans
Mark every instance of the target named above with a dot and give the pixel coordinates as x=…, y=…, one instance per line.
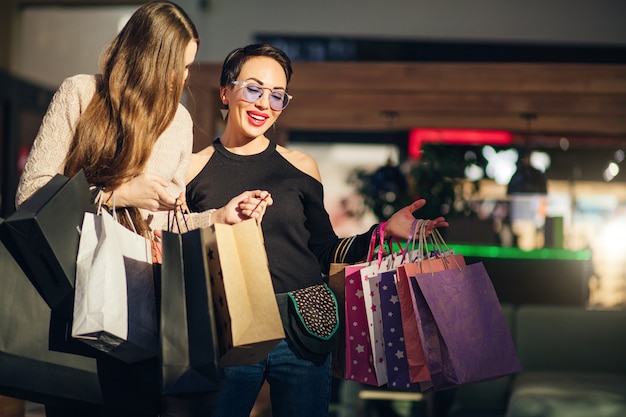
x=298, y=387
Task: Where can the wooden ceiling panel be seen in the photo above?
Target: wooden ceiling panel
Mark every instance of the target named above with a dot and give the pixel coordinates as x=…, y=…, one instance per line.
x=472, y=102
x=357, y=120
x=576, y=100
x=507, y=77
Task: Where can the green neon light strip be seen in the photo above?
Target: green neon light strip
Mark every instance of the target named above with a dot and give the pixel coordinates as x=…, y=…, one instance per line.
x=516, y=253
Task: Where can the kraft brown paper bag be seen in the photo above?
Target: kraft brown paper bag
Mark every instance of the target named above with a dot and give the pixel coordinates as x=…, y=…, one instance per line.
x=337, y=283
x=248, y=321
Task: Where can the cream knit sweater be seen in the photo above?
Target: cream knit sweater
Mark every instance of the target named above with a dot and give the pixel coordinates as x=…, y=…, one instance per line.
x=169, y=159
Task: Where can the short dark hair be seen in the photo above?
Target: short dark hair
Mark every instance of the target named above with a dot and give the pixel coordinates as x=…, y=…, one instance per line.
x=235, y=59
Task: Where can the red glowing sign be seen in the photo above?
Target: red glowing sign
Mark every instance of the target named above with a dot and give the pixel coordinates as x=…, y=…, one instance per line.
x=417, y=137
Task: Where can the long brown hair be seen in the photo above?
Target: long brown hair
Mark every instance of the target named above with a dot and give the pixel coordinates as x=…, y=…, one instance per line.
x=136, y=98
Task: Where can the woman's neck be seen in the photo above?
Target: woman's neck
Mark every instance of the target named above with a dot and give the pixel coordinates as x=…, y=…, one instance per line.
x=244, y=146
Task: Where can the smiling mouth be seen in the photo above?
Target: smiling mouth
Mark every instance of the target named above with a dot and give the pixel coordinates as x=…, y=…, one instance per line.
x=257, y=117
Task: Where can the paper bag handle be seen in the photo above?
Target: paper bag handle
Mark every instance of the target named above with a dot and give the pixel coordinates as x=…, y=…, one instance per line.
x=174, y=218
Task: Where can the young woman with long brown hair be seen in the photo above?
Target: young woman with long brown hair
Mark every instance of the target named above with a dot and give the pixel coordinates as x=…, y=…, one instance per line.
x=126, y=128
x=129, y=133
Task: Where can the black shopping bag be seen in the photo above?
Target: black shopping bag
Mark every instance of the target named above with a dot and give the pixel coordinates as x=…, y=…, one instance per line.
x=40, y=362
x=189, y=344
x=43, y=236
x=337, y=283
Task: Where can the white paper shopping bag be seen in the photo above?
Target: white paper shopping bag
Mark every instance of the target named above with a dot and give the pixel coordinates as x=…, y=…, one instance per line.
x=115, y=302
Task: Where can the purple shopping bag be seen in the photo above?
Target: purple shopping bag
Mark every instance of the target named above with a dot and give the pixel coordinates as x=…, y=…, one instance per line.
x=463, y=329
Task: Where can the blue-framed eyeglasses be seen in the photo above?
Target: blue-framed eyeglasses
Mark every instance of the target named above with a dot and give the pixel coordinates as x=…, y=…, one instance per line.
x=253, y=92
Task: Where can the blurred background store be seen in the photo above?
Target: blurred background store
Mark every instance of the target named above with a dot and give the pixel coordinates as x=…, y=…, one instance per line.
x=509, y=117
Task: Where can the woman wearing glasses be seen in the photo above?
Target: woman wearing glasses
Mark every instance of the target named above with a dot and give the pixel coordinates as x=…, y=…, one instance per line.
x=299, y=238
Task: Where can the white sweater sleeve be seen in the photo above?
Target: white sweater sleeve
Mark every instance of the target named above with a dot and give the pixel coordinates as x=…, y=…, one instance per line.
x=51, y=145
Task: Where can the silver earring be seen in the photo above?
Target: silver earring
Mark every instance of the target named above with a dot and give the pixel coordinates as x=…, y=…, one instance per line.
x=224, y=113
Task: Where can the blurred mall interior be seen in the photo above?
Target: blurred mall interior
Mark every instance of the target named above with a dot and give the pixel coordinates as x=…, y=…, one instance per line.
x=508, y=117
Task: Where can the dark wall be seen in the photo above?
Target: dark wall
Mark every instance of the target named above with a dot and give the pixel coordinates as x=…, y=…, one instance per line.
x=538, y=281
x=22, y=107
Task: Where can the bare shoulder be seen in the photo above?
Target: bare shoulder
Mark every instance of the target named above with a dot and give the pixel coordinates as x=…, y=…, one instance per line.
x=198, y=161
x=301, y=160
x=208, y=152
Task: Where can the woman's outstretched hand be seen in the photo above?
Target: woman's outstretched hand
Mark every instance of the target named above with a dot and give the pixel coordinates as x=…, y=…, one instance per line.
x=249, y=204
x=399, y=224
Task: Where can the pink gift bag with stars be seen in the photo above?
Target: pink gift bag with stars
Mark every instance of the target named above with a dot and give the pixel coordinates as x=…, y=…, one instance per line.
x=359, y=358
x=362, y=362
